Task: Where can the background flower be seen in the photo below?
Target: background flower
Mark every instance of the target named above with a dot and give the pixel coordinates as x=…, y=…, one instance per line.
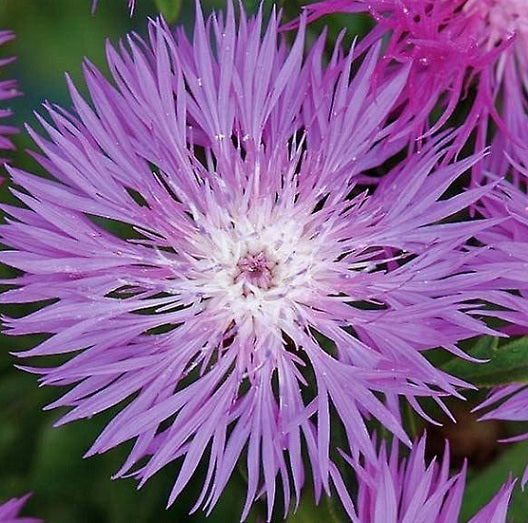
x=508, y=239
x=394, y=490
x=452, y=47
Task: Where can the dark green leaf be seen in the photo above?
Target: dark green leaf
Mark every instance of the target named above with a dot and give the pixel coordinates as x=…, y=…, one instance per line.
x=309, y=512
x=484, y=485
x=507, y=364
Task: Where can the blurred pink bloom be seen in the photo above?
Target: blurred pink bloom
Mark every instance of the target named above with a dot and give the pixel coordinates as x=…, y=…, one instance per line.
x=451, y=46
x=507, y=241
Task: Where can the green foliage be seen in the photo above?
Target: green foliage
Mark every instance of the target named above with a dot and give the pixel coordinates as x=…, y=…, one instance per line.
x=508, y=363
x=484, y=484
x=170, y=9
x=329, y=510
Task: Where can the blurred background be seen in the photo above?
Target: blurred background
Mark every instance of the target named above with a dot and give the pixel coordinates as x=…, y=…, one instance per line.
x=53, y=37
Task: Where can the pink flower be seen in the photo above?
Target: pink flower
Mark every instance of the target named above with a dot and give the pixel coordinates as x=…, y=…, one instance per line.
x=507, y=241
x=451, y=46
x=509, y=403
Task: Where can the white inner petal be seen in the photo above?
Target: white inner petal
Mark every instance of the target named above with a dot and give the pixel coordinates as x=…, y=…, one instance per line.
x=258, y=265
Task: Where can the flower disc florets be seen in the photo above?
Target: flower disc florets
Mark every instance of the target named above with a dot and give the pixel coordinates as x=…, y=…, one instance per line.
x=259, y=265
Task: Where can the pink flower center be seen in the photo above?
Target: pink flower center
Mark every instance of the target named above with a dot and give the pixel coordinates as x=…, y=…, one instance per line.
x=256, y=269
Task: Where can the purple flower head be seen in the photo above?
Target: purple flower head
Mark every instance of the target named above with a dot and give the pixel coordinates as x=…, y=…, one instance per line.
x=9, y=511
x=211, y=260
x=7, y=91
x=394, y=490
x=448, y=43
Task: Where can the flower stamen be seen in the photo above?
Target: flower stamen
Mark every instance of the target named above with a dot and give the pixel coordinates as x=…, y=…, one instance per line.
x=256, y=269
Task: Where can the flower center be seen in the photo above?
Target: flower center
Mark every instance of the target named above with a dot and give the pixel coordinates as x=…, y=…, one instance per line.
x=256, y=269
x=261, y=263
